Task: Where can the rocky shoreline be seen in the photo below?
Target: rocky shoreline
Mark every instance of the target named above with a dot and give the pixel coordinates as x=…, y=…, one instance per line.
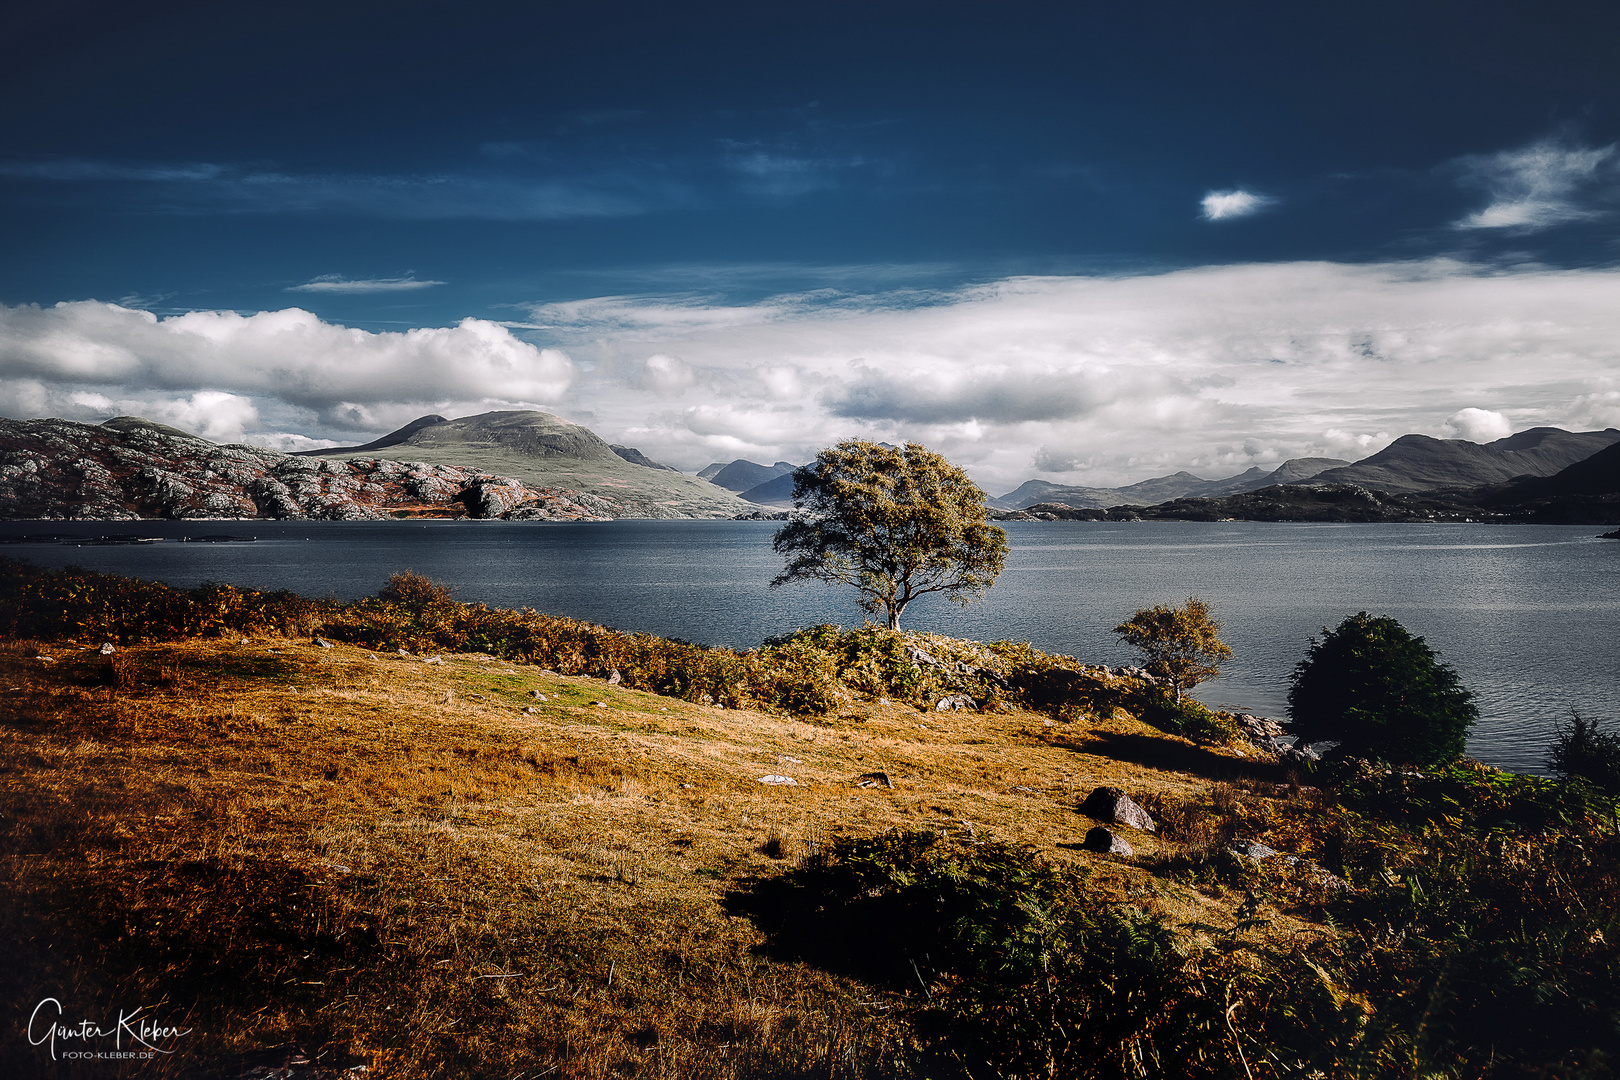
x=131, y=470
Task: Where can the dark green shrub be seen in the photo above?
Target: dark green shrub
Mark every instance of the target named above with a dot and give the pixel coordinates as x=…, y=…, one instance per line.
x=1187, y=717
x=1380, y=693
x=1583, y=750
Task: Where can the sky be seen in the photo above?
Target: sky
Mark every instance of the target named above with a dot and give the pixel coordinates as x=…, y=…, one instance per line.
x=1081, y=242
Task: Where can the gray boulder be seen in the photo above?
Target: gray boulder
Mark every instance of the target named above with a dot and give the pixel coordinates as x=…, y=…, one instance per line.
x=1106, y=841
x=1113, y=805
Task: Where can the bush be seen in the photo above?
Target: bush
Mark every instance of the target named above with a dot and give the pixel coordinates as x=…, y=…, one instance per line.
x=1380, y=693
x=1023, y=974
x=1188, y=718
x=1582, y=750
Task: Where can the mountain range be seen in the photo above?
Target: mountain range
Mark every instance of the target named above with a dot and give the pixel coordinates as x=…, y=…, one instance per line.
x=1586, y=492
x=511, y=465
x=498, y=463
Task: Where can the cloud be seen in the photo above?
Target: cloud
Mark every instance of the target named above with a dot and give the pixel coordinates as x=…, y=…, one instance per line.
x=666, y=374
x=495, y=196
x=1050, y=460
x=337, y=283
x=1478, y=425
x=1220, y=205
x=785, y=172
x=208, y=371
x=1538, y=186
x=1108, y=380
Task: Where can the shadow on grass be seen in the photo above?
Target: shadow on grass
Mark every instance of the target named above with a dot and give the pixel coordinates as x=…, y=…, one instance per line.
x=1161, y=752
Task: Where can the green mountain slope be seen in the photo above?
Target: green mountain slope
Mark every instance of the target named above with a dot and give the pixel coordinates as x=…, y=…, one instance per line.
x=541, y=449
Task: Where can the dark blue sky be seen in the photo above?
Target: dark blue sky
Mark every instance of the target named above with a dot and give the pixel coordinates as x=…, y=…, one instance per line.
x=236, y=157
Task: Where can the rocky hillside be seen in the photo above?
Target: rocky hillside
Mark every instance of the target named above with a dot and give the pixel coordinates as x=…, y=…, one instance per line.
x=129, y=468
x=546, y=451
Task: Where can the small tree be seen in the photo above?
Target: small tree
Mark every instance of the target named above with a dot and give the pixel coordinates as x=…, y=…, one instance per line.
x=1380, y=693
x=894, y=523
x=1181, y=644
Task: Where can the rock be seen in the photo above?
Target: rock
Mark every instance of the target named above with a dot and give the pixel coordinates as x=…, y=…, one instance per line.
x=599, y=704
x=108, y=648
x=1113, y=805
x=1106, y=841
x=1251, y=850
x=614, y=678
x=432, y=660
x=873, y=779
x=323, y=643
x=537, y=695
x=531, y=709
x=955, y=702
x=778, y=779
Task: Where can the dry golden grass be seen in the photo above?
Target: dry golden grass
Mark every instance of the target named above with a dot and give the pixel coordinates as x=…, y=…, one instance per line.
x=422, y=868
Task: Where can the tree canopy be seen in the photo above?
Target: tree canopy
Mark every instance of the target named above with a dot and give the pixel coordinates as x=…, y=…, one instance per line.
x=1380, y=693
x=1181, y=644
x=895, y=524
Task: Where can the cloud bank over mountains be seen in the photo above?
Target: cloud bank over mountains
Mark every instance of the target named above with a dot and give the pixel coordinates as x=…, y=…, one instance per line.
x=1093, y=380
x=228, y=376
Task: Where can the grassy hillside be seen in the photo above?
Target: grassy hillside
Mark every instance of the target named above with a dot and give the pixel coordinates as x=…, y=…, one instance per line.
x=544, y=450
x=460, y=864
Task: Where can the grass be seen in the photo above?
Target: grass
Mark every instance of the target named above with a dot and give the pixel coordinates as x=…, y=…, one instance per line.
x=375, y=860
x=438, y=863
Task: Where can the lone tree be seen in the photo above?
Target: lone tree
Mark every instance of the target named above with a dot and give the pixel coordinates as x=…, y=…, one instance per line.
x=1181, y=643
x=894, y=523
x=1380, y=693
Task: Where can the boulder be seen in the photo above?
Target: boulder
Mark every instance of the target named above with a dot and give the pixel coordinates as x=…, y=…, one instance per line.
x=1106, y=841
x=1113, y=805
x=955, y=702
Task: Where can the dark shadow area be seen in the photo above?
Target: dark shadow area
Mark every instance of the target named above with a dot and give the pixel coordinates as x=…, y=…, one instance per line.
x=1158, y=752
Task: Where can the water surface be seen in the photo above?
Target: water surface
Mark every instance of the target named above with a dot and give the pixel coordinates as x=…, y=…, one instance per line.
x=1528, y=614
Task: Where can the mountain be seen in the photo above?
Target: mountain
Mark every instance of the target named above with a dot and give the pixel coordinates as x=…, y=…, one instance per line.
x=1597, y=475
x=636, y=457
x=393, y=438
x=777, y=491
x=547, y=451
x=740, y=475
x=1584, y=493
x=1159, y=489
x=1587, y=492
x=1415, y=463
x=129, y=468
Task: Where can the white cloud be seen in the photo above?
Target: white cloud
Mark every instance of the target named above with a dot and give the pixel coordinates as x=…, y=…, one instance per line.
x=1112, y=379
x=337, y=283
x=1538, y=186
x=1104, y=380
x=666, y=374
x=1478, y=425
x=214, y=372
x=1220, y=205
